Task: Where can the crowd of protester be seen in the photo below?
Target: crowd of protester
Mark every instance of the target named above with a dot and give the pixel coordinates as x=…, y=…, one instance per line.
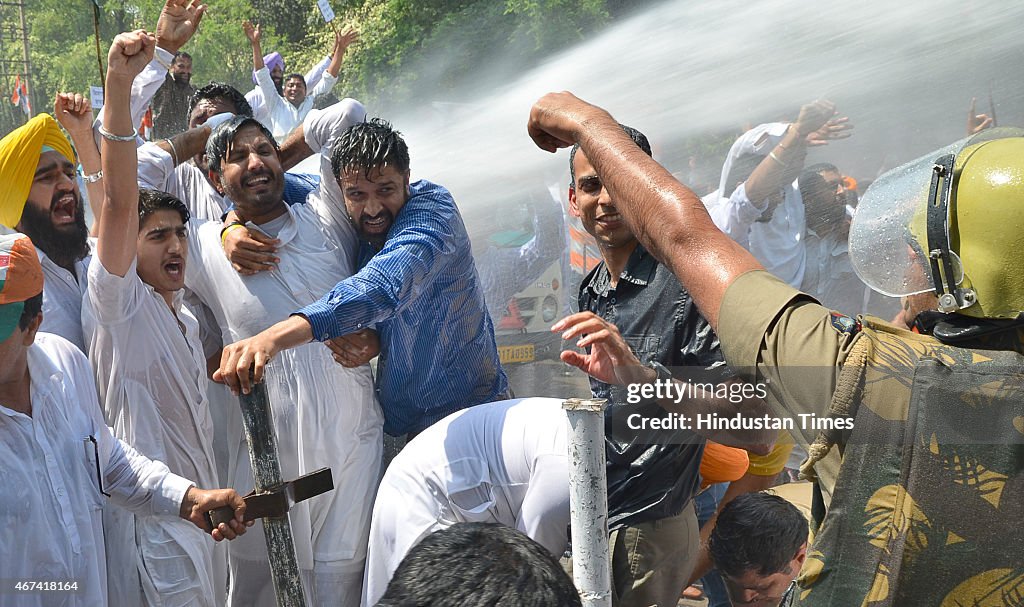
x=210, y=268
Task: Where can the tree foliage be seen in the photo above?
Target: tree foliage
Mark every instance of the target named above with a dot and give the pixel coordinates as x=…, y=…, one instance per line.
x=406, y=46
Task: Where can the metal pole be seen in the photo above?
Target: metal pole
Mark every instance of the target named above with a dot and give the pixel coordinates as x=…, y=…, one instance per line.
x=588, y=501
x=266, y=471
x=32, y=96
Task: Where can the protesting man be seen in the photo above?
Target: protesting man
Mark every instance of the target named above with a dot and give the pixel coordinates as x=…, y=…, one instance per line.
x=149, y=363
x=287, y=109
x=61, y=458
x=324, y=415
x=416, y=283
x=171, y=99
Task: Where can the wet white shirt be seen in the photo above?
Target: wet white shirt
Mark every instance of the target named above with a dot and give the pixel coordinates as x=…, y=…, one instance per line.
x=62, y=297
x=150, y=371
x=258, y=103
x=50, y=522
x=281, y=114
x=324, y=414
x=503, y=462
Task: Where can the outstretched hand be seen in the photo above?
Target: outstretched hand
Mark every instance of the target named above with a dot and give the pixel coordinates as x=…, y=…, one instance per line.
x=345, y=39
x=610, y=359
x=252, y=32
x=814, y=116
x=976, y=123
x=178, y=22
x=74, y=112
x=835, y=128
x=130, y=53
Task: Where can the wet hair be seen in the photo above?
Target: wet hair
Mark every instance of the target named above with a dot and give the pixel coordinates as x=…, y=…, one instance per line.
x=33, y=307
x=757, y=532
x=297, y=76
x=478, y=565
x=222, y=136
x=181, y=55
x=219, y=90
x=366, y=145
x=151, y=201
x=638, y=138
x=822, y=167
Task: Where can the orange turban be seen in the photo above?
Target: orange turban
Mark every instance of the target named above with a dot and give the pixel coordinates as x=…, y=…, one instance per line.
x=19, y=158
x=722, y=464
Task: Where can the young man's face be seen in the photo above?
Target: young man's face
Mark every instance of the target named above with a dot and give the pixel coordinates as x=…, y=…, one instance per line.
x=54, y=217
x=294, y=91
x=755, y=590
x=590, y=201
x=251, y=173
x=162, y=250
x=373, y=200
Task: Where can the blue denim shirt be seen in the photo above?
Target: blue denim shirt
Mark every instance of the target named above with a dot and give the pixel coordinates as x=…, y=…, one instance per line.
x=421, y=290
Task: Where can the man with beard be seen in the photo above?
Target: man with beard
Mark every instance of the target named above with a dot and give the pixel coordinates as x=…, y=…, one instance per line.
x=171, y=99
x=149, y=362
x=324, y=414
x=416, y=283
x=40, y=199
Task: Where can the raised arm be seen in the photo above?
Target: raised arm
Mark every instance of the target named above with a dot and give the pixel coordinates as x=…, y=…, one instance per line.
x=74, y=113
x=118, y=224
x=341, y=43
x=667, y=218
x=815, y=125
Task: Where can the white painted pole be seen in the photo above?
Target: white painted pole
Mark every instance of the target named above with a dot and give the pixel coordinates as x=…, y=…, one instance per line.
x=588, y=501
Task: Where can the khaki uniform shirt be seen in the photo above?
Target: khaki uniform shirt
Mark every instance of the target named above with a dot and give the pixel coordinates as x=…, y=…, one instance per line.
x=925, y=508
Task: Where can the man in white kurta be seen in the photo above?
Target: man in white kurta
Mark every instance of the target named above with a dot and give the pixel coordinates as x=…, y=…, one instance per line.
x=503, y=462
x=60, y=458
x=324, y=414
x=150, y=372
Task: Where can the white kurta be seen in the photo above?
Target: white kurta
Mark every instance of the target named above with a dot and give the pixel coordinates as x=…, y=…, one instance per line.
x=324, y=414
x=503, y=462
x=50, y=522
x=152, y=385
x=258, y=103
x=62, y=297
x=282, y=115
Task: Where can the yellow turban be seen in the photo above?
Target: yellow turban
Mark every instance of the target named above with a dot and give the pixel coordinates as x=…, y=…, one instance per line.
x=19, y=158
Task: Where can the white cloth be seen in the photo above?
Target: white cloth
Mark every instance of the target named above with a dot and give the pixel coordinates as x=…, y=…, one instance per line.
x=503, y=462
x=324, y=414
x=62, y=297
x=282, y=115
x=150, y=372
x=778, y=243
x=258, y=103
x=50, y=522
x=829, y=275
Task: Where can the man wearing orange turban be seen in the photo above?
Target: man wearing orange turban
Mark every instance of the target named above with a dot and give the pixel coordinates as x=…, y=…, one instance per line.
x=40, y=198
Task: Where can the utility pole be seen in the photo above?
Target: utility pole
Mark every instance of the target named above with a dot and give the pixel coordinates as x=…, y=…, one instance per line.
x=25, y=55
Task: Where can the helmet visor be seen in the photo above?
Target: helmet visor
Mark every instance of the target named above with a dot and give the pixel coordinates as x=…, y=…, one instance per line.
x=888, y=237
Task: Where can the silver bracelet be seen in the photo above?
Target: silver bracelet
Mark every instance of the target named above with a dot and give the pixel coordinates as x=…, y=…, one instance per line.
x=776, y=158
x=112, y=137
x=93, y=177
x=174, y=151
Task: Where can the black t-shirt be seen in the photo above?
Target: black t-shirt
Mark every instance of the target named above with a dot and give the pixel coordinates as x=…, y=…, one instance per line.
x=652, y=474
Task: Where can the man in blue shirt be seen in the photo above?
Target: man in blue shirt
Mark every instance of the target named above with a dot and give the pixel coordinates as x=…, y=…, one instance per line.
x=416, y=284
